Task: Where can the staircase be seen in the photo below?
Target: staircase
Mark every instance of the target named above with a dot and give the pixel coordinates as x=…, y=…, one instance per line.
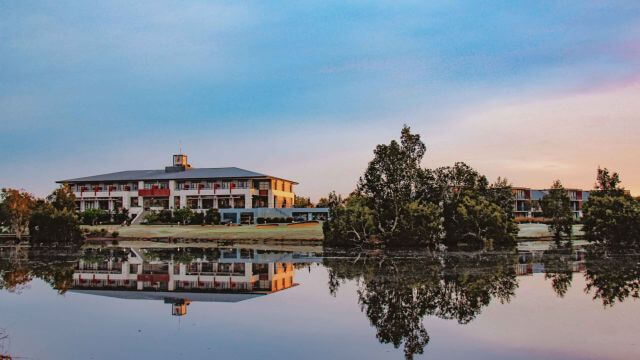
x=138, y=219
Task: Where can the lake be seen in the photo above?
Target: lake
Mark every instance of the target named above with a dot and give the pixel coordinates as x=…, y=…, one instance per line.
x=273, y=303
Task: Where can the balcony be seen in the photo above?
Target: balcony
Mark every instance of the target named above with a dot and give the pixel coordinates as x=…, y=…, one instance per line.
x=154, y=192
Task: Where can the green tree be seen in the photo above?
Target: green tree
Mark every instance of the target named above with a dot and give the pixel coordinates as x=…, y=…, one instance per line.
x=17, y=206
x=475, y=212
x=350, y=221
x=323, y=203
x=302, y=202
x=389, y=181
x=212, y=217
x=63, y=198
x=49, y=224
x=93, y=216
x=556, y=206
x=183, y=215
x=197, y=218
x=611, y=215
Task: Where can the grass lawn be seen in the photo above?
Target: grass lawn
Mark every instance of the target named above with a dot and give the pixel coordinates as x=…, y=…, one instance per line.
x=245, y=232
x=542, y=231
x=253, y=232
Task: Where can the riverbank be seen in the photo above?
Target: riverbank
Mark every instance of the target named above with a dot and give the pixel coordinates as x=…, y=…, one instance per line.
x=294, y=232
x=541, y=232
x=251, y=234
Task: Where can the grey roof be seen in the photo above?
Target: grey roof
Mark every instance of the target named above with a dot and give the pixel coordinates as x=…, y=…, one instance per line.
x=193, y=173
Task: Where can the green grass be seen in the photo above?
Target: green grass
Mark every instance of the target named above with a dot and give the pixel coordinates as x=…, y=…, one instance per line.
x=251, y=232
x=245, y=232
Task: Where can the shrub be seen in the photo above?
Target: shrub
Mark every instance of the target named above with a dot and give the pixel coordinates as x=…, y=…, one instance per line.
x=50, y=225
x=212, y=217
x=115, y=234
x=197, y=219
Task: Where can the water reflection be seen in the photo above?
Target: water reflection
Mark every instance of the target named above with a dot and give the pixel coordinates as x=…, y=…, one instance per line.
x=179, y=277
x=395, y=291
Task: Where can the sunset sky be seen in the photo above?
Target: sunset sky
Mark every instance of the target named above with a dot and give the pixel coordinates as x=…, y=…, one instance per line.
x=532, y=91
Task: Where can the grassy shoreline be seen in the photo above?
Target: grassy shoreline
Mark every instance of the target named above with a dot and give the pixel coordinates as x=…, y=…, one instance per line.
x=256, y=233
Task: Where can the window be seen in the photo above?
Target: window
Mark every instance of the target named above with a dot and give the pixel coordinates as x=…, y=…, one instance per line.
x=224, y=203
x=207, y=203
x=242, y=184
x=134, y=201
x=192, y=203
x=264, y=185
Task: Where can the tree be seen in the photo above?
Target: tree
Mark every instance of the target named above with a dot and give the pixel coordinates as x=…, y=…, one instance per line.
x=608, y=182
x=212, y=217
x=197, y=218
x=63, y=198
x=350, y=221
x=556, y=206
x=17, y=206
x=121, y=216
x=93, y=216
x=302, y=202
x=611, y=215
x=183, y=215
x=323, y=203
x=410, y=205
x=389, y=181
x=49, y=224
x=474, y=212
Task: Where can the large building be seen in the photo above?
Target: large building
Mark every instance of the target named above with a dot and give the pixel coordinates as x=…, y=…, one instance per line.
x=240, y=195
x=527, y=201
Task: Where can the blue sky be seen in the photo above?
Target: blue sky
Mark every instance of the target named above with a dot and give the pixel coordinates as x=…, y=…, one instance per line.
x=304, y=90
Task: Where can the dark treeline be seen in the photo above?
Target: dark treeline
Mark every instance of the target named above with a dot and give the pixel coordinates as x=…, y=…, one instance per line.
x=51, y=220
x=399, y=203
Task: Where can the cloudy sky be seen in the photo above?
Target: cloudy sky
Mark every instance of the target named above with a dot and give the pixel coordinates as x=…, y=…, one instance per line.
x=533, y=91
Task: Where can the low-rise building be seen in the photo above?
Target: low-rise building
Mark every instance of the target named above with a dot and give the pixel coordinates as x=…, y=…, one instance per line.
x=240, y=195
x=527, y=201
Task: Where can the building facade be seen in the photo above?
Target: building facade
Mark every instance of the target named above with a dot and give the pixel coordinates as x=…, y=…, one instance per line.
x=527, y=201
x=239, y=194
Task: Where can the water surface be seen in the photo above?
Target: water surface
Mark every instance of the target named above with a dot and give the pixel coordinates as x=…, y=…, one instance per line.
x=247, y=303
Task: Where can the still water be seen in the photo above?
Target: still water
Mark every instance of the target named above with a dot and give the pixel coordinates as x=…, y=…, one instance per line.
x=274, y=303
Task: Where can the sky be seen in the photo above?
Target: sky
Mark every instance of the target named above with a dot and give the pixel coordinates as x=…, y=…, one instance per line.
x=532, y=91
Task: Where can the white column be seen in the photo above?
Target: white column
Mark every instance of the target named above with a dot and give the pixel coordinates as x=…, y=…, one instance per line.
x=171, y=285
x=172, y=189
x=248, y=200
x=140, y=198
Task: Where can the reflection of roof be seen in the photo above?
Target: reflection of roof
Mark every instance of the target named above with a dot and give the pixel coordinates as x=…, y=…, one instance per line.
x=161, y=295
x=193, y=173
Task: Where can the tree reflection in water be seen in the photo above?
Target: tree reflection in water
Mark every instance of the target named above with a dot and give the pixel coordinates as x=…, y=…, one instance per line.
x=19, y=265
x=397, y=293
x=610, y=278
x=613, y=280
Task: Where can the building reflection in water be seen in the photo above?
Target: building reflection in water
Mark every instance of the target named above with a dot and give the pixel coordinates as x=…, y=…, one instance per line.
x=220, y=275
